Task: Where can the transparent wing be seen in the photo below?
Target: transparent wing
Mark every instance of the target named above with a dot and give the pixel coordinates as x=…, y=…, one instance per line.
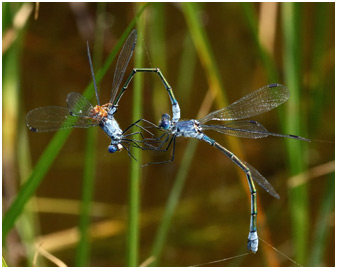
x=260, y=101
x=259, y=179
x=122, y=63
x=245, y=129
x=53, y=118
x=78, y=105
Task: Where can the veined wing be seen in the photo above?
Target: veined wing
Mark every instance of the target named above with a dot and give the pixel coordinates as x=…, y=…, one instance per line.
x=245, y=129
x=259, y=179
x=53, y=118
x=78, y=105
x=122, y=63
x=257, y=102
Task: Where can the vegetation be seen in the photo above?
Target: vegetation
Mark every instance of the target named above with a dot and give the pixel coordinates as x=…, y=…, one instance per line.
x=65, y=194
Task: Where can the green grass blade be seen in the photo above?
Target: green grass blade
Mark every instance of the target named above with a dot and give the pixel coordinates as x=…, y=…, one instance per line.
x=205, y=53
x=173, y=201
x=83, y=249
x=319, y=83
x=265, y=57
x=29, y=188
x=135, y=173
x=158, y=55
x=54, y=147
x=321, y=228
x=291, y=18
x=4, y=264
x=16, y=161
x=318, y=74
x=185, y=79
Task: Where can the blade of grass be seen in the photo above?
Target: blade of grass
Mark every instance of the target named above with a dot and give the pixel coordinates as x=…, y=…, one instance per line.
x=294, y=124
x=135, y=173
x=318, y=84
x=179, y=181
x=172, y=202
x=204, y=50
x=54, y=147
x=322, y=226
x=265, y=57
x=28, y=223
x=201, y=43
x=83, y=248
x=158, y=55
x=16, y=161
x=317, y=81
x=4, y=264
x=185, y=79
x=269, y=65
x=215, y=83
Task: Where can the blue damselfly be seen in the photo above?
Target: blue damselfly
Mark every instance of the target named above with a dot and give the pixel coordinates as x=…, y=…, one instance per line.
x=80, y=113
x=257, y=102
x=234, y=115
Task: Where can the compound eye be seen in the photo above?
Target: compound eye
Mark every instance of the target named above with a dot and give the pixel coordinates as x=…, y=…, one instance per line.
x=165, y=121
x=165, y=124
x=112, y=148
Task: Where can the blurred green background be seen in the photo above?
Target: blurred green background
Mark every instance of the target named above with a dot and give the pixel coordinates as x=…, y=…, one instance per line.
x=65, y=195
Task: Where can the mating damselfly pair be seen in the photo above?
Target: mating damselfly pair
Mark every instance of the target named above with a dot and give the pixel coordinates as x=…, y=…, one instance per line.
x=80, y=113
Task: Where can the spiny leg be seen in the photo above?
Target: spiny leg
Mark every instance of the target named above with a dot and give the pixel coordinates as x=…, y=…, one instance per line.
x=173, y=139
x=141, y=127
x=253, y=240
x=131, y=142
x=159, y=147
x=146, y=140
x=157, y=142
x=149, y=144
x=175, y=105
x=166, y=136
x=141, y=135
x=152, y=137
x=135, y=144
x=128, y=150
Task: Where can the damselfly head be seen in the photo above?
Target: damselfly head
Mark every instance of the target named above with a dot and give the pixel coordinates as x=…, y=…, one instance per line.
x=165, y=122
x=115, y=147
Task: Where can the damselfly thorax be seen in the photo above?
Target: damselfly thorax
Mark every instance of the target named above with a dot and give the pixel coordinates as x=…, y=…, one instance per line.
x=100, y=112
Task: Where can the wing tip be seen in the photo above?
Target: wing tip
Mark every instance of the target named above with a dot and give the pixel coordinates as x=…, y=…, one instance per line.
x=273, y=193
x=273, y=85
x=32, y=129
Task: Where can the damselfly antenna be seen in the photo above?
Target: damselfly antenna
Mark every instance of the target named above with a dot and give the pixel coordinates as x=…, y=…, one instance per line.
x=92, y=73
